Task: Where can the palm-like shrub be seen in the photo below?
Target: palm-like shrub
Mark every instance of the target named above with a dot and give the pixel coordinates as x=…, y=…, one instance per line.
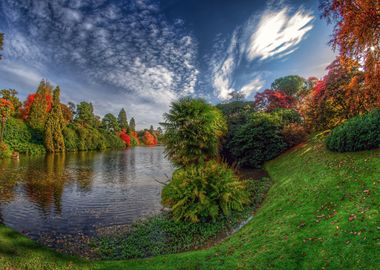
x=193, y=129
x=204, y=191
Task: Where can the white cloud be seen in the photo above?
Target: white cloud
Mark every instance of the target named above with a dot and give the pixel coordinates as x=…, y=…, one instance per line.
x=252, y=87
x=278, y=34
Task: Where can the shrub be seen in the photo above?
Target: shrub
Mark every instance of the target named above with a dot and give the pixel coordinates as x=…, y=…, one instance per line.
x=293, y=134
x=5, y=152
x=193, y=129
x=203, y=191
x=257, y=141
x=287, y=116
x=358, y=133
x=71, y=138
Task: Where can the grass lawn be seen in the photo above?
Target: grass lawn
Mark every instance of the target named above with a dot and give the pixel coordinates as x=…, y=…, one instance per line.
x=322, y=212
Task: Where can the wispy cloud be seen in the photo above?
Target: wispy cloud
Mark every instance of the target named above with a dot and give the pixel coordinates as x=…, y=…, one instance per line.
x=277, y=34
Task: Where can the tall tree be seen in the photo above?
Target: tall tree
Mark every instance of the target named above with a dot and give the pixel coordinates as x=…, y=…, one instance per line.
x=54, y=141
x=123, y=121
x=110, y=123
x=357, y=36
x=40, y=106
x=132, y=124
x=270, y=100
x=291, y=85
x=85, y=114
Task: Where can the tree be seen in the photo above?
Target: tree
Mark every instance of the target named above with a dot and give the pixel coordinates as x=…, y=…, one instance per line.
x=236, y=96
x=40, y=105
x=357, y=36
x=270, y=100
x=132, y=124
x=123, y=121
x=11, y=95
x=85, y=114
x=193, y=129
x=291, y=85
x=6, y=108
x=149, y=138
x=54, y=141
x=110, y=123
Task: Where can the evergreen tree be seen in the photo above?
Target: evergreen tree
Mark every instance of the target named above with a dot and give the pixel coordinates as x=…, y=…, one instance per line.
x=41, y=106
x=132, y=124
x=110, y=123
x=122, y=118
x=151, y=129
x=54, y=141
x=85, y=114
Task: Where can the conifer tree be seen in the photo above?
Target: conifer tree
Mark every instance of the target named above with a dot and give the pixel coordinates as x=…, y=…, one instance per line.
x=54, y=141
x=41, y=106
x=132, y=124
x=122, y=118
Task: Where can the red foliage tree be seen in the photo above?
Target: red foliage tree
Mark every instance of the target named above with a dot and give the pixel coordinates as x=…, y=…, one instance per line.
x=273, y=99
x=149, y=138
x=125, y=137
x=25, y=110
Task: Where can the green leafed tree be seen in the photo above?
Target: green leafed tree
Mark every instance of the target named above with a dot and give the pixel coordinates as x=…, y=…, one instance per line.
x=122, y=119
x=132, y=124
x=291, y=85
x=85, y=114
x=41, y=106
x=110, y=123
x=11, y=95
x=54, y=140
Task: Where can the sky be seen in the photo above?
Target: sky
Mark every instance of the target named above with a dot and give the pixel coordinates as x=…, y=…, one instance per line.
x=143, y=54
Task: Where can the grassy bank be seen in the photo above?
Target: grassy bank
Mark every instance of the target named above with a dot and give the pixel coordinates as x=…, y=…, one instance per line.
x=321, y=212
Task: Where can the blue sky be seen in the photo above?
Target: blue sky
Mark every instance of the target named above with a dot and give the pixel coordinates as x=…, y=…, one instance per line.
x=142, y=54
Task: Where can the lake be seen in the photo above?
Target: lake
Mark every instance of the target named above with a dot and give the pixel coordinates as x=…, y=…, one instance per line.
x=56, y=195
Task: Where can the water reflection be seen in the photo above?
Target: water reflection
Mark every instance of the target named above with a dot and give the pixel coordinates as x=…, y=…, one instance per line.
x=77, y=192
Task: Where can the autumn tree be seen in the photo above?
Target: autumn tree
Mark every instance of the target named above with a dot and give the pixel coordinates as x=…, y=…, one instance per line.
x=53, y=140
x=11, y=95
x=122, y=119
x=40, y=106
x=110, y=123
x=149, y=138
x=291, y=85
x=357, y=36
x=132, y=124
x=270, y=100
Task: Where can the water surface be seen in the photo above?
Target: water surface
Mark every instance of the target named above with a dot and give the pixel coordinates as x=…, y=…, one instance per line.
x=76, y=193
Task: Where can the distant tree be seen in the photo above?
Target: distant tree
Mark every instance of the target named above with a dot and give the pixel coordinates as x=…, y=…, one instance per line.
x=110, y=123
x=291, y=85
x=122, y=119
x=357, y=36
x=40, y=106
x=55, y=123
x=270, y=100
x=132, y=124
x=236, y=96
x=11, y=95
x=151, y=129
x=149, y=138
x=67, y=113
x=85, y=114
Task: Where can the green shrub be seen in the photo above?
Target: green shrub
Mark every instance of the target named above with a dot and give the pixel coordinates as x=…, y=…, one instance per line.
x=203, y=191
x=257, y=141
x=71, y=138
x=5, y=152
x=358, y=133
x=287, y=116
x=21, y=138
x=193, y=129
x=112, y=140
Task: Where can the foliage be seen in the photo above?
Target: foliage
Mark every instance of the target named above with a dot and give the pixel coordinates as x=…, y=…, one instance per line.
x=38, y=106
x=257, y=141
x=85, y=114
x=110, y=123
x=287, y=116
x=193, y=129
x=67, y=114
x=11, y=95
x=5, y=152
x=132, y=124
x=149, y=138
x=291, y=85
x=357, y=36
x=21, y=138
x=293, y=134
x=71, y=138
x=122, y=119
x=204, y=191
x=125, y=137
x=270, y=100
x=54, y=140
x=359, y=133
x=6, y=109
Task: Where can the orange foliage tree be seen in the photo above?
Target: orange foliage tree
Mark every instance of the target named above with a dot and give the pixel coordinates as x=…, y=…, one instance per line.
x=149, y=138
x=25, y=110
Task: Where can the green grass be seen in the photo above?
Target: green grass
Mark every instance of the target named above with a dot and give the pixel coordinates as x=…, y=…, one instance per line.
x=321, y=212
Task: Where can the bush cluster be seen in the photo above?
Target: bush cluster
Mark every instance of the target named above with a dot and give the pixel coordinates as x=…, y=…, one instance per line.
x=358, y=133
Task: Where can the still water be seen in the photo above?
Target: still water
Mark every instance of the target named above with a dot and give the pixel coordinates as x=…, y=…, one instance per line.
x=79, y=192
